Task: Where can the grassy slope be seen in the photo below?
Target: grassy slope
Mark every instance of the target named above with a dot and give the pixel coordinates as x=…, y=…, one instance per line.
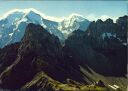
x=52, y=85
x=42, y=80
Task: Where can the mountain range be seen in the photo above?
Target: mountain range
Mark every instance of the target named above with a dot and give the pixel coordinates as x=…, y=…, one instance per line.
x=74, y=54
x=12, y=26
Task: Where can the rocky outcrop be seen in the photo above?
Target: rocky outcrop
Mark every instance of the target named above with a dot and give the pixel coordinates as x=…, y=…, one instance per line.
x=78, y=51
x=101, y=46
x=38, y=50
x=113, y=46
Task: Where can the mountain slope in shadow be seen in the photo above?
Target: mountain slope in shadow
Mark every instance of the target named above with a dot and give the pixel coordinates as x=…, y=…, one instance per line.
x=40, y=62
x=38, y=51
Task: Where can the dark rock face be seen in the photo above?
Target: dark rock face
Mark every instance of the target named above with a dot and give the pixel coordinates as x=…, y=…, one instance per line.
x=8, y=55
x=114, y=48
x=78, y=51
x=42, y=43
x=96, y=51
x=37, y=48
x=116, y=30
x=122, y=22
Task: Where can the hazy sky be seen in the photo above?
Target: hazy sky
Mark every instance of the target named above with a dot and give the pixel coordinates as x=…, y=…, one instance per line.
x=65, y=8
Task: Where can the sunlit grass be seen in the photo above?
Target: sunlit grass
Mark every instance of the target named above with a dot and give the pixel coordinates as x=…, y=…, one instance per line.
x=58, y=86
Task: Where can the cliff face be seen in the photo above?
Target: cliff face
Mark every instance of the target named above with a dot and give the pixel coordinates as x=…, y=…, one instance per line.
x=107, y=29
x=110, y=39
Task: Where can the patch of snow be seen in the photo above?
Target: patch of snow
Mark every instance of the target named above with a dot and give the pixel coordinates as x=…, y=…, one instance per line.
x=2, y=25
x=108, y=35
x=119, y=39
x=10, y=34
x=125, y=44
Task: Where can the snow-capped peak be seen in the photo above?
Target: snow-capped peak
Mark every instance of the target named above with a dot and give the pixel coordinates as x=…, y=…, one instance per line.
x=13, y=24
x=73, y=22
x=76, y=17
x=73, y=16
x=28, y=11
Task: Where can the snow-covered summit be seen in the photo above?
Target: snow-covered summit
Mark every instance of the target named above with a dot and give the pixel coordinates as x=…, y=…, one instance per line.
x=76, y=17
x=73, y=22
x=29, y=11
x=14, y=22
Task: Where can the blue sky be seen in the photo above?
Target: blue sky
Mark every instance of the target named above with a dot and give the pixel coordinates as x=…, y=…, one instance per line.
x=65, y=8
